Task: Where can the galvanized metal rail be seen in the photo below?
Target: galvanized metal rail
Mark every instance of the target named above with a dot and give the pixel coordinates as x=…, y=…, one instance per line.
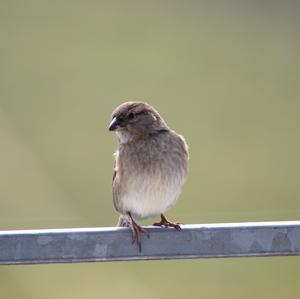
x=114, y=244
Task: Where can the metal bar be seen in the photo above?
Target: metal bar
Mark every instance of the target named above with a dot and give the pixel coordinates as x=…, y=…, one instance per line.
x=115, y=244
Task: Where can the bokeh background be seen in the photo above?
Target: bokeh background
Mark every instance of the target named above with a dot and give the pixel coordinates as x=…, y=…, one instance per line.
x=225, y=74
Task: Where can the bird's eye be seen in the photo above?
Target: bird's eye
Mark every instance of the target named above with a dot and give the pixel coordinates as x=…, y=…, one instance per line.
x=130, y=115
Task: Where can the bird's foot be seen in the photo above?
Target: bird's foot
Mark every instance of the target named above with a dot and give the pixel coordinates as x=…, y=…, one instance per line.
x=137, y=230
x=166, y=223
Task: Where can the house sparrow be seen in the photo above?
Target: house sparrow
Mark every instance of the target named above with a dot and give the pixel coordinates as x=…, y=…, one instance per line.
x=150, y=166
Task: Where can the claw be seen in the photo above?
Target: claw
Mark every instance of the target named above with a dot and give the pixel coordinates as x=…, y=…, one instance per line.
x=166, y=223
x=136, y=232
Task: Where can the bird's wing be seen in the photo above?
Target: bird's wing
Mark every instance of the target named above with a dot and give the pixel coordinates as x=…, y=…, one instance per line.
x=114, y=174
x=115, y=188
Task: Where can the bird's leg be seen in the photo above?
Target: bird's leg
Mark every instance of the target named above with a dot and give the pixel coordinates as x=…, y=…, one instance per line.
x=136, y=231
x=165, y=222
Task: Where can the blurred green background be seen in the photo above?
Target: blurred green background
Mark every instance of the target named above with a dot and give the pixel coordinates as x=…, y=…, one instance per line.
x=225, y=74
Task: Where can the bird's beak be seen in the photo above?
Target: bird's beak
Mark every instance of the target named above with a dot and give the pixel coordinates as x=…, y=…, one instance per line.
x=113, y=124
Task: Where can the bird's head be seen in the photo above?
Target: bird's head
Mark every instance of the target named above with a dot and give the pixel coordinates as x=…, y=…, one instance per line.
x=133, y=120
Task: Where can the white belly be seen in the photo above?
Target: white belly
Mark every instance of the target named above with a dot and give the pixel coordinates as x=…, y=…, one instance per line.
x=151, y=196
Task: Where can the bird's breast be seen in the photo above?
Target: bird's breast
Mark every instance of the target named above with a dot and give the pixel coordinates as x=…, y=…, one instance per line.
x=151, y=179
x=148, y=195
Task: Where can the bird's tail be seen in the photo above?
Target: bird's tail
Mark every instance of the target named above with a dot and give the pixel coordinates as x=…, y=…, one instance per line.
x=123, y=221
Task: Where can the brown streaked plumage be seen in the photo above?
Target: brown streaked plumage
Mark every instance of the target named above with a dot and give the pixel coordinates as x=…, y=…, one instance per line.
x=150, y=166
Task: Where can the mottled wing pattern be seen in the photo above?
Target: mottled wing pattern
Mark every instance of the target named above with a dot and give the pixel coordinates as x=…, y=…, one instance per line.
x=114, y=174
x=115, y=187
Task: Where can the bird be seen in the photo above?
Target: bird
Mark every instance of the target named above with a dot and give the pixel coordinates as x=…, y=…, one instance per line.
x=151, y=165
